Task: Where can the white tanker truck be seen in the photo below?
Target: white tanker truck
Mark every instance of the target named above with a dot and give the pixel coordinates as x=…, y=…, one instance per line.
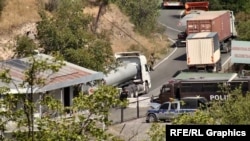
x=132, y=73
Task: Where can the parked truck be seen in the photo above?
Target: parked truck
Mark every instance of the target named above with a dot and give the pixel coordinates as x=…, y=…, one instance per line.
x=209, y=85
x=132, y=73
x=221, y=22
x=203, y=52
x=195, y=6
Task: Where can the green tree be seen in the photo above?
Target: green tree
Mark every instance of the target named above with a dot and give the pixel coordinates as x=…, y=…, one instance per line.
x=67, y=31
x=143, y=14
x=157, y=132
x=89, y=112
x=244, y=30
x=235, y=110
x=25, y=47
x=2, y=5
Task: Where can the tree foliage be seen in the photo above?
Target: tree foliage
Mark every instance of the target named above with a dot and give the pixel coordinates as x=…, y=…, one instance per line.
x=89, y=113
x=67, y=31
x=235, y=110
x=157, y=132
x=241, y=9
x=2, y=5
x=25, y=46
x=143, y=14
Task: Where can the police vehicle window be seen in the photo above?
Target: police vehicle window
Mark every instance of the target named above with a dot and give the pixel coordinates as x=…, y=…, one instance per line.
x=197, y=87
x=165, y=106
x=190, y=103
x=210, y=87
x=165, y=89
x=202, y=103
x=173, y=106
x=186, y=87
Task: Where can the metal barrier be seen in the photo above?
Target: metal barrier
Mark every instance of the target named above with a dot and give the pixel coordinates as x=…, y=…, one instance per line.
x=136, y=108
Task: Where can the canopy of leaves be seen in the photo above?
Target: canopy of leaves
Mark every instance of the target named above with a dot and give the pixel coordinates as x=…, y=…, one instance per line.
x=67, y=31
x=89, y=113
x=2, y=4
x=241, y=9
x=25, y=46
x=143, y=13
x=235, y=110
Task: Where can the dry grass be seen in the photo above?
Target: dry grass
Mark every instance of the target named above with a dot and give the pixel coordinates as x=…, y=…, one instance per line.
x=20, y=16
x=17, y=13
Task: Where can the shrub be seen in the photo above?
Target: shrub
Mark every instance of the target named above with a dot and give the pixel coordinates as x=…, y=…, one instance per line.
x=51, y=5
x=2, y=4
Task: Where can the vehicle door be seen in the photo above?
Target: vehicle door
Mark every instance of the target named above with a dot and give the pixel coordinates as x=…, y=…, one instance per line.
x=173, y=111
x=163, y=109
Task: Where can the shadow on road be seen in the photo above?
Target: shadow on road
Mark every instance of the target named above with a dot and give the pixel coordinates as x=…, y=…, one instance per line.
x=181, y=58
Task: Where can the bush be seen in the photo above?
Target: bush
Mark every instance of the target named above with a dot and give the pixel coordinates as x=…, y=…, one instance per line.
x=143, y=14
x=51, y=5
x=2, y=4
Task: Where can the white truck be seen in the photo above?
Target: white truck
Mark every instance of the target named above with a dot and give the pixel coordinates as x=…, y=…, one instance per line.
x=132, y=73
x=222, y=22
x=203, y=52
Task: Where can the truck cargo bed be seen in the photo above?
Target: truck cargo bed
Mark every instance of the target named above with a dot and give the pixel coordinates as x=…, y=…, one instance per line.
x=211, y=21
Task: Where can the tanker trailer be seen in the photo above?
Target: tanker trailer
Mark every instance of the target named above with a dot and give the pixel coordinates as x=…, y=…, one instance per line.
x=132, y=73
x=121, y=75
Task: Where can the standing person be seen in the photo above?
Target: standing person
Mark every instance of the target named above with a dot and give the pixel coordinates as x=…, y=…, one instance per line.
x=124, y=94
x=152, y=61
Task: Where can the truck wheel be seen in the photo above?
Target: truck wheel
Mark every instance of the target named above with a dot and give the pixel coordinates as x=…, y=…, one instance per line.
x=151, y=118
x=135, y=94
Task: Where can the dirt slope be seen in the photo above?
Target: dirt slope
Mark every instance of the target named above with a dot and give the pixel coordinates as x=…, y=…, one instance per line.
x=20, y=16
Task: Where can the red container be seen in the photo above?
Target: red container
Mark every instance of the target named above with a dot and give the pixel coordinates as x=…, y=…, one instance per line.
x=211, y=21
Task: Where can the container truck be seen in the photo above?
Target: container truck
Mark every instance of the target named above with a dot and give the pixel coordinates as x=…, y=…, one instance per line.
x=132, y=73
x=208, y=85
x=221, y=22
x=203, y=52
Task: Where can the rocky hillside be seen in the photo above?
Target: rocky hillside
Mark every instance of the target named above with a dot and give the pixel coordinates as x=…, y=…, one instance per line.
x=20, y=17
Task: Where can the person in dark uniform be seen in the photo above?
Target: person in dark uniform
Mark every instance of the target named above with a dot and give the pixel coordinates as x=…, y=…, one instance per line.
x=152, y=61
x=124, y=94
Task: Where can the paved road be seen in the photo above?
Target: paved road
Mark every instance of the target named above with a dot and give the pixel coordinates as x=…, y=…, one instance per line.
x=173, y=62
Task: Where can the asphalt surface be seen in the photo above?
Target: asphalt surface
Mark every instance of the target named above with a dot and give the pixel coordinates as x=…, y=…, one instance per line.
x=165, y=70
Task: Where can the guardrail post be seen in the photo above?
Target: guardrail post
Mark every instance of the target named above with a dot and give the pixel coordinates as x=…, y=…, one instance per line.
x=121, y=114
x=138, y=112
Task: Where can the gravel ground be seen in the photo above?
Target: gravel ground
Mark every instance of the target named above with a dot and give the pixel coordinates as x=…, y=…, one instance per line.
x=135, y=130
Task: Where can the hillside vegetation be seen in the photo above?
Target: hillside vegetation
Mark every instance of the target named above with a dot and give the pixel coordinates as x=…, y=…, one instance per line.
x=20, y=16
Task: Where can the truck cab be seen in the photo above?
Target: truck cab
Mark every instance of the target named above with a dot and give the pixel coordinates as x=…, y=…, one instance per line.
x=140, y=79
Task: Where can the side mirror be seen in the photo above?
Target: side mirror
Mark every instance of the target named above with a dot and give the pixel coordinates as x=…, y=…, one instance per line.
x=147, y=68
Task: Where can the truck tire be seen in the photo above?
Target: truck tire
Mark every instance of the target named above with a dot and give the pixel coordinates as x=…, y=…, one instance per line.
x=151, y=118
x=135, y=94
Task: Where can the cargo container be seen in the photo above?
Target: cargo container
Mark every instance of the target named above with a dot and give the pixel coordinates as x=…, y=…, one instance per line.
x=203, y=52
x=221, y=22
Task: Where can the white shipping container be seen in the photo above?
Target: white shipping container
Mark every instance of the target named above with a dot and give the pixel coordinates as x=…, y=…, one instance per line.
x=203, y=48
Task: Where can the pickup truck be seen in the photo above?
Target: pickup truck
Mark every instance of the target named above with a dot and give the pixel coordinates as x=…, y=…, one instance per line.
x=167, y=111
